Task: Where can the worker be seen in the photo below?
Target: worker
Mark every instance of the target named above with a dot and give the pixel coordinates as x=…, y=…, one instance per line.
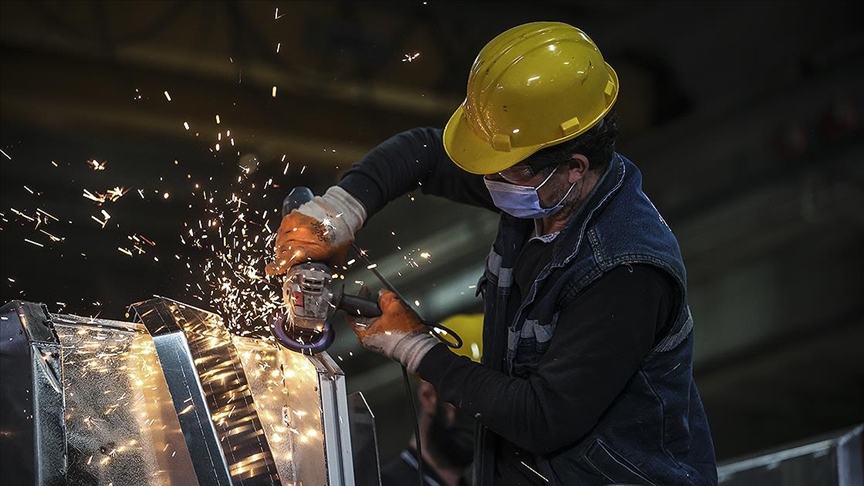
x=587, y=370
x=446, y=433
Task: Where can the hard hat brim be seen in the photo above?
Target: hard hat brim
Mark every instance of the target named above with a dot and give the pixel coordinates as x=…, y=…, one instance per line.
x=474, y=154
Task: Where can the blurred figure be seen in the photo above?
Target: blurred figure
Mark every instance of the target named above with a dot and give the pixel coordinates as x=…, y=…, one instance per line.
x=447, y=441
x=446, y=433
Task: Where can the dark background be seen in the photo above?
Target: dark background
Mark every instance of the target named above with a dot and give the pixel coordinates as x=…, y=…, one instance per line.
x=745, y=118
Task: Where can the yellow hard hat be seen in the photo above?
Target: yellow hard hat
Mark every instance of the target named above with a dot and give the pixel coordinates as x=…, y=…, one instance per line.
x=469, y=327
x=532, y=86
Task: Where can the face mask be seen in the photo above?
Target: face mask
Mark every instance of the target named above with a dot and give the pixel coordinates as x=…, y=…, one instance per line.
x=522, y=201
x=452, y=443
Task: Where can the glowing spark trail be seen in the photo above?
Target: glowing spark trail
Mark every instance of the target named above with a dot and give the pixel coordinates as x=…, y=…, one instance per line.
x=96, y=165
x=19, y=213
x=46, y=214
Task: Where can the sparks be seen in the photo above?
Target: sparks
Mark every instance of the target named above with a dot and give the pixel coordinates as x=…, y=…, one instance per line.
x=46, y=214
x=50, y=236
x=19, y=213
x=96, y=165
x=101, y=222
x=116, y=193
x=111, y=196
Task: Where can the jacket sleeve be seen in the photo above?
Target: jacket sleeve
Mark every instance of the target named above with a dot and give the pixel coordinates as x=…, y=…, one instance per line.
x=600, y=341
x=407, y=161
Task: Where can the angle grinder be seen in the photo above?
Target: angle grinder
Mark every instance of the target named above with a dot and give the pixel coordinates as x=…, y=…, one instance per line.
x=311, y=300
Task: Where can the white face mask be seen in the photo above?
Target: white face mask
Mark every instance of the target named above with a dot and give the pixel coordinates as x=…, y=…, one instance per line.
x=522, y=201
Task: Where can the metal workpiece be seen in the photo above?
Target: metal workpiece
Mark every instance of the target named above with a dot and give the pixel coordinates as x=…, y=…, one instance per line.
x=100, y=411
x=172, y=398
x=334, y=406
x=31, y=397
x=195, y=356
x=364, y=444
x=262, y=413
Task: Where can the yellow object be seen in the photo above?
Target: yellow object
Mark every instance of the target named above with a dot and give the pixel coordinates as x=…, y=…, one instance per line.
x=469, y=327
x=532, y=86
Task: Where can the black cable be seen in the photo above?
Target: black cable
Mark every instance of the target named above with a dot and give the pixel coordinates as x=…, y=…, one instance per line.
x=457, y=344
x=386, y=283
x=416, y=423
x=436, y=326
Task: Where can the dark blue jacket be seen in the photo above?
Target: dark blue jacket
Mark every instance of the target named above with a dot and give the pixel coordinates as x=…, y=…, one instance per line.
x=656, y=431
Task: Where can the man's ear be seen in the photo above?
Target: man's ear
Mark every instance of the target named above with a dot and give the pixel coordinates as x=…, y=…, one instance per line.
x=428, y=397
x=577, y=167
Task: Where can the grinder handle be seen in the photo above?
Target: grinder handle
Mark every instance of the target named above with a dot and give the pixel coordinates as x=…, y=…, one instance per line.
x=358, y=306
x=296, y=198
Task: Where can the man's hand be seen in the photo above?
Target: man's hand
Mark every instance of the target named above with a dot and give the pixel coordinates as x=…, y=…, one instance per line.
x=302, y=238
x=397, y=333
x=319, y=230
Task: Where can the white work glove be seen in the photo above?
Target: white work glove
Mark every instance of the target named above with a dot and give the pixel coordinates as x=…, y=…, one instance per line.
x=397, y=333
x=319, y=230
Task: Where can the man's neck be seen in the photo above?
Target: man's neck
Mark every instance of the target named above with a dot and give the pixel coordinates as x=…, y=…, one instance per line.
x=559, y=220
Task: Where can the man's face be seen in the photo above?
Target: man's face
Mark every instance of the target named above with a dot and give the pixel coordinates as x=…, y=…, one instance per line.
x=451, y=436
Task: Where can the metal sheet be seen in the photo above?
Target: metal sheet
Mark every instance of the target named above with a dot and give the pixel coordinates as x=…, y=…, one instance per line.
x=172, y=399
x=334, y=407
x=831, y=460
x=277, y=417
x=97, y=404
x=120, y=425
x=31, y=397
x=364, y=442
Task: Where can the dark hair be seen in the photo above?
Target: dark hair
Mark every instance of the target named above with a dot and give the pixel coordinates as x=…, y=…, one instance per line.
x=597, y=144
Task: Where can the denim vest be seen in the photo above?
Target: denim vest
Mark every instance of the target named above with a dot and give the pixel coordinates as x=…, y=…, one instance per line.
x=656, y=431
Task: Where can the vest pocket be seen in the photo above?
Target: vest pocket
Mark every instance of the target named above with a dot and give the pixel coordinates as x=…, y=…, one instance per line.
x=614, y=466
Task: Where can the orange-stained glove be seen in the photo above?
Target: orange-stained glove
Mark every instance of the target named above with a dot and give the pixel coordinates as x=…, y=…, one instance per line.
x=319, y=230
x=397, y=333
x=303, y=238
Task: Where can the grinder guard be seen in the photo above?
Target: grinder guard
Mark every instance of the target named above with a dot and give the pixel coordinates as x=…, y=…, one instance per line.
x=308, y=295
